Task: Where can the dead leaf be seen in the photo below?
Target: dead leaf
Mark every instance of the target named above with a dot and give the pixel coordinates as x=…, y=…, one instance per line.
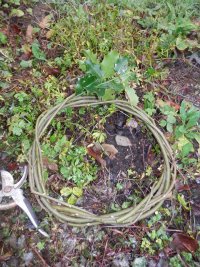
x=122, y=140
x=6, y=256
x=52, y=166
x=12, y=166
x=52, y=71
x=181, y=187
x=96, y=155
x=15, y=29
x=160, y=103
x=44, y=23
x=174, y=105
x=183, y=242
x=49, y=34
x=110, y=150
x=29, y=34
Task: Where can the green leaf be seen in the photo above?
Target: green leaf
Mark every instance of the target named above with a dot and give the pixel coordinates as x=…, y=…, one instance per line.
x=169, y=127
x=26, y=64
x=193, y=120
x=41, y=245
x=87, y=83
x=197, y=137
x=93, y=69
x=163, y=123
x=108, y=63
x=77, y=191
x=109, y=95
x=121, y=65
x=91, y=56
x=183, y=111
x=171, y=119
x=126, y=204
x=182, y=201
x=186, y=149
x=72, y=200
x=37, y=52
x=3, y=38
x=66, y=191
x=181, y=44
x=131, y=94
x=16, y=13
x=65, y=171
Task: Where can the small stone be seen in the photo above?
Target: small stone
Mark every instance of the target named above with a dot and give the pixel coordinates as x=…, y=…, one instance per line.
x=13, y=241
x=122, y=140
x=21, y=241
x=27, y=257
x=139, y=262
x=121, y=260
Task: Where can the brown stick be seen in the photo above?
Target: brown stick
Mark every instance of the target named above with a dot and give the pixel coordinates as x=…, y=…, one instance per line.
x=44, y=264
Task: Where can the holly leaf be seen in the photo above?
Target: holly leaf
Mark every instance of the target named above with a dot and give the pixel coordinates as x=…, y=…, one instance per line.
x=108, y=63
x=93, y=69
x=91, y=56
x=109, y=94
x=121, y=65
x=87, y=83
x=131, y=94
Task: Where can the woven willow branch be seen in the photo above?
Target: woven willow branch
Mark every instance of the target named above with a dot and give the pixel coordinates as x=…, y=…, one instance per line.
x=76, y=216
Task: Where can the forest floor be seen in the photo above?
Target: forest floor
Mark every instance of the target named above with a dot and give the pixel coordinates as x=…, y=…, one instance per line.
x=46, y=52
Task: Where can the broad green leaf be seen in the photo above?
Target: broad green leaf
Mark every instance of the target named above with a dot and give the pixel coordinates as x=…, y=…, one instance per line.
x=91, y=56
x=93, y=69
x=66, y=191
x=108, y=63
x=3, y=38
x=116, y=85
x=26, y=64
x=109, y=94
x=131, y=94
x=16, y=13
x=77, y=191
x=37, y=52
x=87, y=83
x=121, y=65
x=72, y=200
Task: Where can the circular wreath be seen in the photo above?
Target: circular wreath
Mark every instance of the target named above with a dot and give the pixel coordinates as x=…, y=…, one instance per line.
x=76, y=216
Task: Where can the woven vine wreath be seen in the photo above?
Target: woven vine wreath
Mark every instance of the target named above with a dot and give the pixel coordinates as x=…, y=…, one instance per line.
x=76, y=216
